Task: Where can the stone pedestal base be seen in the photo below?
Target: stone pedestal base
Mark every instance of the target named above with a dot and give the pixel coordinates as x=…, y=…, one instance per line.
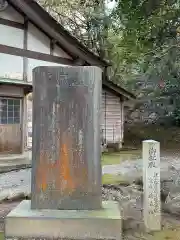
x=25, y=223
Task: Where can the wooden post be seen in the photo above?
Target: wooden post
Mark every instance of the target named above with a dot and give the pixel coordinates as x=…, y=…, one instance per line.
x=151, y=183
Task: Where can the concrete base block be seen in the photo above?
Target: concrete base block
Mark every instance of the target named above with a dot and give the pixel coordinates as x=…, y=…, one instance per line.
x=25, y=223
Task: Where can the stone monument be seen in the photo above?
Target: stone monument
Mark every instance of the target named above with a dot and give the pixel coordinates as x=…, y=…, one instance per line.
x=66, y=169
x=151, y=184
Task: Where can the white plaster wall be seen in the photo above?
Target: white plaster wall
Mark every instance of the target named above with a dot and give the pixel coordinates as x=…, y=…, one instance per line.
x=11, y=14
x=37, y=41
x=11, y=36
x=11, y=66
x=60, y=53
x=29, y=124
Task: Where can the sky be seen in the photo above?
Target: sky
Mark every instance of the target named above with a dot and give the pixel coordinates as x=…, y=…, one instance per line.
x=110, y=4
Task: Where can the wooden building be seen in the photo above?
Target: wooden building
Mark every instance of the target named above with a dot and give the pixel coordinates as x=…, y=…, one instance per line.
x=30, y=37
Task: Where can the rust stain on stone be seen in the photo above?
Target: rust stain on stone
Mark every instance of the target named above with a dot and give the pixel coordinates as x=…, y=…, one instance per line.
x=65, y=167
x=60, y=169
x=42, y=172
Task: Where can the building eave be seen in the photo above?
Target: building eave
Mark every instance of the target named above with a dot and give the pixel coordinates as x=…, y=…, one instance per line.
x=119, y=91
x=37, y=15
x=44, y=21
x=27, y=87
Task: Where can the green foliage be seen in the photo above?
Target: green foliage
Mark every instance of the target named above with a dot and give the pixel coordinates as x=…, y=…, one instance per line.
x=176, y=116
x=88, y=20
x=112, y=179
x=1, y=236
x=150, y=45
x=139, y=37
x=109, y=159
x=146, y=24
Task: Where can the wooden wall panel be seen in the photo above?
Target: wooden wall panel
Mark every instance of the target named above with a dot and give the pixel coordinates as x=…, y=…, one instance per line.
x=112, y=111
x=10, y=138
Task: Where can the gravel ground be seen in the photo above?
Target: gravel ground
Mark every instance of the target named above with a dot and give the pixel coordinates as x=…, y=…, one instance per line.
x=130, y=200
x=22, y=178
x=16, y=184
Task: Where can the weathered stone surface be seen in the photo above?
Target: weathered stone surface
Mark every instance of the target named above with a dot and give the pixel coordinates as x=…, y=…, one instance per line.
x=66, y=199
x=104, y=223
x=151, y=185
x=132, y=225
x=131, y=171
x=66, y=168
